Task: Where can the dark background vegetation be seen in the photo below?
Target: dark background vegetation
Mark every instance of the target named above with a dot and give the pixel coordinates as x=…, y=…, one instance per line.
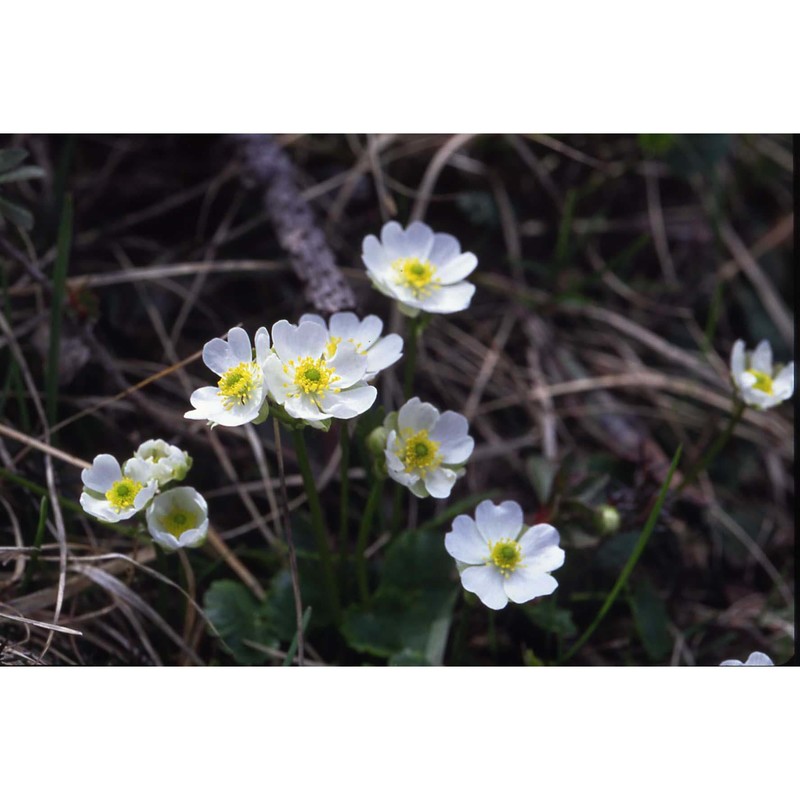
x=615, y=273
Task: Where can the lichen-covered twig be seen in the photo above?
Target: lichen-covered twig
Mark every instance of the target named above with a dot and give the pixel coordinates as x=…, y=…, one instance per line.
x=298, y=233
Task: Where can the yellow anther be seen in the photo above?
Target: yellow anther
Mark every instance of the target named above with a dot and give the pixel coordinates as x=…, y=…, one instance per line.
x=122, y=493
x=238, y=383
x=178, y=520
x=417, y=275
x=420, y=454
x=763, y=381
x=506, y=555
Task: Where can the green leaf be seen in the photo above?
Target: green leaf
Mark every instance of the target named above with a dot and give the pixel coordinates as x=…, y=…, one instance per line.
x=650, y=616
x=412, y=607
x=16, y=214
x=550, y=618
x=11, y=156
x=542, y=472
x=22, y=174
x=237, y=616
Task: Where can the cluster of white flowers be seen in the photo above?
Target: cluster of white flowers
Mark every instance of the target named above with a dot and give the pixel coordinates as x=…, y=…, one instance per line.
x=175, y=518
x=755, y=659
x=313, y=371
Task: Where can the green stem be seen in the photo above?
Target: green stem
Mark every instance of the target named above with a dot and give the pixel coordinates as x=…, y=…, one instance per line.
x=415, y=325
x=641, y=543
x=363, y=535
x=320, y=534
x=713, y=450
x=344, y=495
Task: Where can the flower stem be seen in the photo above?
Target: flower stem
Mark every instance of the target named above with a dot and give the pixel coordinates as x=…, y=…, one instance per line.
x=344, y=496
x=717, y=445
x=415, y=326
x=320, y=533
x=363, y=535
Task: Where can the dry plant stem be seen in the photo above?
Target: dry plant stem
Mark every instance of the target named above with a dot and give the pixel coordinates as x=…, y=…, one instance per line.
x=716, y=446
x=363, y=536
x=320, y=533
x=311, y=258
x=298, y=600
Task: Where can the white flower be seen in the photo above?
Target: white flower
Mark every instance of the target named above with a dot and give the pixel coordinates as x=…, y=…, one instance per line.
x=241, y=391
x=759, y=383
x=112, y=494
x=310, y=385
x=380, y=351
x=178, y=518
x=500, y=559
x=424, y=270
x=754, y=660
x=164, y=461
x=425, y=450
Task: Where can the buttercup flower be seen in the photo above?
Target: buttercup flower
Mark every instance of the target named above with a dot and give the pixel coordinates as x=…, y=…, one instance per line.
x=113, y=494
x=759, y=383
x=379, y=351
x=755, y=659
x=164, y=461
x=500, y=559
x=425, y=450
x=310, y=384
x=178, y=518
x=421, y=269
x=241, y=391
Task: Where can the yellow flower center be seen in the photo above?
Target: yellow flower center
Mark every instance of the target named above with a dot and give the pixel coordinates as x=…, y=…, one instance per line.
x=420, y=454
x=122, y=493
x=238, y=384
x=417, y=275
x=763, y=381
x=311, y=376
x=178, y=520
x=505, y=554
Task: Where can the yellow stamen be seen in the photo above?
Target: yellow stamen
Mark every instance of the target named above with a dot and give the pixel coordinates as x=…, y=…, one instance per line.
x=763, y=381
x=122, y=493
x=506, y=555
x=333, y=343
x=238, y=383
x=178, y=520
x=311, y=376
x=417, y=275
x=420, y=454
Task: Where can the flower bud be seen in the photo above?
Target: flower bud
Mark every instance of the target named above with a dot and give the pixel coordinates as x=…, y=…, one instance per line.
x=607, y=519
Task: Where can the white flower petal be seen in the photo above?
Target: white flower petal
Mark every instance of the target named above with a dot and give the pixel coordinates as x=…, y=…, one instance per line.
x=439, y=482
x=783, y=382
x=394, y=241
x=277, y=380
x=465, y=543
x=540, y=550
x=487, y=583
x=450, y=427
x=757, y=659
x=105, y=470
x=350, y=365
x=284, y=340
x=419, y=239
x=738, y=361
x=457, y=269
x=417, y=487
x=351, y=402
x=345, y=325
x=417, y=415
x=502, y=521
x=218, y=356
x=448, y=299
x=369, y=330
x=262, y=345
x=239, y=343
x=97, y=507
x=445, y=249
x=303, y=407
x=312, y=318
x=311, y=339
x=525, y=583
x=732, y=662
x=375, y=257
x=761, y=360
x=138, y=470
x=383, y=354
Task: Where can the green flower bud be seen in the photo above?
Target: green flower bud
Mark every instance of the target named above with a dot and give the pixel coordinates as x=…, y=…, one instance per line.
x=607, y=519
x=376, y=443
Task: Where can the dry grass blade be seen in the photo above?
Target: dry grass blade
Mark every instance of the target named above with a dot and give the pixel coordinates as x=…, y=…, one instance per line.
x=49, y=626
x=125, y=594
